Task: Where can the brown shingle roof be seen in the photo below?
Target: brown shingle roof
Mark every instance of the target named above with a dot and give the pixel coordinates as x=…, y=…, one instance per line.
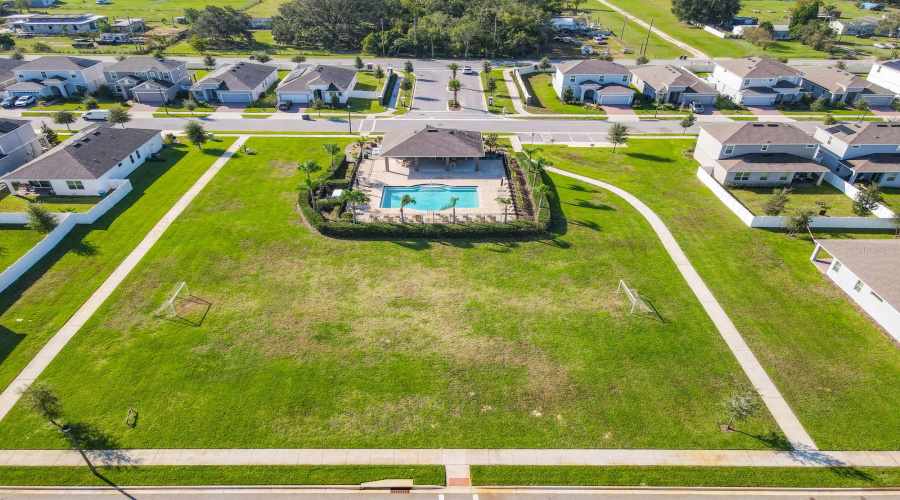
x=866, y=133
x=870, y=261
x=58, y=63
x=758, y=67
x=433, y=142
x=670, y=76
x=237, y=76
x=881, y=162
x=837, y=80
x=333, y=77
x=592, y=67
x=758, y=133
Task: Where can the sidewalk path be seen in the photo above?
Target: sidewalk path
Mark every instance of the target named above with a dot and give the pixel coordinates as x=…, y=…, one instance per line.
x=43, y=358
x=696, y=53
x=779, y=409
x=513, y=91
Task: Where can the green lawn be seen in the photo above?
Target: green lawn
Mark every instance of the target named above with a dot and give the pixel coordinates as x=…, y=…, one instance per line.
x=221, y=475
x=178, y=106
x=634, y=37
x=306, y=343
x=848, y=9
x=836, y=371
x=892, y=198
x=747, y=477
x=501, y=96
x=545, y=100
x=358, y=105
x=408, y=94
x=365, y=80
x=801, y=197
x=14, y=242
x=61, y=104
x=12, y=203
x=39, y=303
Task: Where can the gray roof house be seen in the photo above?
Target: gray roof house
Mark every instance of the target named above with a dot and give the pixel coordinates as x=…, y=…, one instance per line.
x=308, y=83
x=7, y=72
x=18, y=144
x=432, y=142
x=757, y=81
x=754, y=153
x=679, y=85
x=862, y=152
x=147, y=79
x=240, y=82
x=594, y=80
x=61, y=76
x=92, y=161
x=837, y=85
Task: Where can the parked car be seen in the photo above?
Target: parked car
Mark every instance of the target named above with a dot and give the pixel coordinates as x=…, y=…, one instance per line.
x=886, y=45
x=467, y=70
x=599, y=38
x=587, y=50
x=8, y=102
x=25, y=101
x=95, y=114
x=284, y=105
x=600, y=42
x=696, y=107
x=627, y=50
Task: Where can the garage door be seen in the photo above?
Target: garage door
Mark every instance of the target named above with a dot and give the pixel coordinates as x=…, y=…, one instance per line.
x=708, y=99
x=614, y=99
x=301, y=98
x=234, y=96
x=148, y=97
x=758, y=100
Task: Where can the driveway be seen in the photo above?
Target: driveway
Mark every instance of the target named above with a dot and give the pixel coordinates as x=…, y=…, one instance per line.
x=432, y=94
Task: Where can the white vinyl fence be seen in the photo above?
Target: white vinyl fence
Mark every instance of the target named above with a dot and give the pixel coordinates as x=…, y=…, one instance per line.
x=66, y=222
x=763, y=221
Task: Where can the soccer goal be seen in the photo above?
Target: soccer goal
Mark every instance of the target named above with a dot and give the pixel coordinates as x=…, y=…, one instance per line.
x=636, y=301
x=179, y=293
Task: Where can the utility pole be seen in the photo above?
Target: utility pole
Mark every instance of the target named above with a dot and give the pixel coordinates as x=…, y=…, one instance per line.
x=622, y=34
x=349, y=121
x=647, y=43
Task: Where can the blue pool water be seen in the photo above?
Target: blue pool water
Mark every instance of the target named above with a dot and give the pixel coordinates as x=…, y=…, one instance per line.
x=430, y=196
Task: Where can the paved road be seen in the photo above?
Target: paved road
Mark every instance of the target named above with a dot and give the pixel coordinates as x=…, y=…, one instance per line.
x=432, y=94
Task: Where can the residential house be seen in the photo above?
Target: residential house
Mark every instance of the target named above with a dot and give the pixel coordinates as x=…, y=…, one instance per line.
x=866, y=271
x=306, y=84
x=779, y=31
x=19, y=144
x=569, y=23
x=54, y=24
x=886, y=74
x=59, y=76
x=430, y=144
x=91, y=162
x=838, y=85
x=754, y=153
x=862, y=152
x=593, y=80
x=240, y=82
x=147, y=79
x=853, y=27
x=128, y=25
x=678, y=85
x=7, y=72
x=757, y=81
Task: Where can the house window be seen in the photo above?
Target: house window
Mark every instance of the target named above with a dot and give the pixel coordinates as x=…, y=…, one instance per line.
x=879, y=299
x=729, y=149
x=43, y=74
x=572, y=79
x=20, y=76
x=858, y=286
x=75, y=184
x=624, y=78
x=742, y=176
x=854, y=147
x=167, y=76
x=784, y=176
x=829, y=140
x=764, y=176
x=602, y=77
x=765, y=147
x=41, y=184
x=118, y=88
x=810, y=146
x=131, y=157
x=837, y=266
x=747, y=82
x=138, y=154
x=72, y=74
x=891, y=177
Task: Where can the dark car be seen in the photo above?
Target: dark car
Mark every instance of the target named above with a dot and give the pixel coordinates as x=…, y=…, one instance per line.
x=284, y=105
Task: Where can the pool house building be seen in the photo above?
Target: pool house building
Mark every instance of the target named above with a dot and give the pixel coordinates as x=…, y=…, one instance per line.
x=433, y=146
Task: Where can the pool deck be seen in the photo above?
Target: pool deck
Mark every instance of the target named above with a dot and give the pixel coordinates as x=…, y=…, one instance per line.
x=490, y=179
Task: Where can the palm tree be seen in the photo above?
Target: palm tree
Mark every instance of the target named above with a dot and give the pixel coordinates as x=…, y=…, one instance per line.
x=505, y=202
x=537, y=167
x=454, y=68
x=454, y=86
x=531, y=151
x=406, y=200
x=451, y=205
x=310, y=167
x=310, y=186
x=353, y=198
x=331, y=149
x=540, y=192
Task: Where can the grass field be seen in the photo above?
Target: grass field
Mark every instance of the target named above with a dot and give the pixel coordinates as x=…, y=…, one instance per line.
x=307, y=343
x=748, y=477
x=365, y=80
x=836, y=371
x=545, y=101
x=501, y=96
x=405, y=94
x=10, y=203
x=848, y=9
x=148, y=11
x=358, y=105
x=892, y=198
x=635, y=37
x=801, y=197
x=14, y=242
x=39, y=303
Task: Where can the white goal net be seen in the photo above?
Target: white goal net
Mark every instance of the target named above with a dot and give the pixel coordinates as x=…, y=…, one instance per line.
x=636, y=301
x=179, y=293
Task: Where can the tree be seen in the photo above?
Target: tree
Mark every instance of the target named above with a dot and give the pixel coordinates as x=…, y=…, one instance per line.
x=190, y=104
x=895, y=221
x=310, y=167
x=537, y=166
x=776, y=203
x=198, y=44
x=455, y=86
x=820, y=104
x=641, y=60
x=491, y=140
x=64, y=117
x=41, y=398
x=209, y=62
x=379, y=73
x=505, y=202
x=17, y=54
x=191, y=15
x=816, y=34
x=741, y=406
x=6, y=41
x=90, y=102
x=196, y=134
x=310, y=186
x=688, y=121
x=332, y=150
x=568, y=95
x=406, y=200
x=453, y=67
x=544, y=64
x=768, y=26
x=158, y=53
x=118, y=114
x=39, y=219
x=335, y=100
x=222, y=25
x=867, y=200
x=22, y=5
x=490, y=85
x=798, y=221
x=618, y=134
x=408, y=67
x=486, y=66
x=658, y=102
x=452, y=206
x=49, y=133
x=540, y=193
x=710, y=12
x=758, y=36
x=298, y=59
x=841, y=65
x=406, y=84
x=829, y=119
x=353, y=198
x=803, y=13
x=263, y=58
x=317, y=105
x=358, y=63
x=862, y=104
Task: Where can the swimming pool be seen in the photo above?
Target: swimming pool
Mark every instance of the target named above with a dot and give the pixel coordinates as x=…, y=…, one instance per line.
x=430, y=196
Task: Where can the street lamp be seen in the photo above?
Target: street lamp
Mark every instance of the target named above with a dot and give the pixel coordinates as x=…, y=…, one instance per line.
x=67, y=430
x=165, y=101
x=350, y=120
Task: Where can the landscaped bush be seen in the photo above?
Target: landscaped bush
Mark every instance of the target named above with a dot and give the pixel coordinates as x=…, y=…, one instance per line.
x=390, y=89
x=328, y=204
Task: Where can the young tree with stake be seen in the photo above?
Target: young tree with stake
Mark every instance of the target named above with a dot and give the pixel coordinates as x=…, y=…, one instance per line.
x=195, y=134
x=618, y=134
x=544, y=64
x=118, y=114
x=358, y=63
x=379, y=73
x=309, y=167
x=408, y=67
x=332, y=150
x=486, y=67
x=540, y=194
x=741, y=406
x=64, y=117
x=688, y=121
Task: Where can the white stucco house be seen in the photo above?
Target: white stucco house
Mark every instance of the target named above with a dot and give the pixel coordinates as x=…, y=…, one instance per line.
x=54, y=24
x=593, y=80
x=59, y=76
x=862, y=152
x=306, y=84
x=92, y=161
x=678, y=85
x=759, y=154
x=147, y=79
x=240, y=82
x=757, y=81
x=19, y=144
x=865, y=270
x=838, y=85
x=886, y=74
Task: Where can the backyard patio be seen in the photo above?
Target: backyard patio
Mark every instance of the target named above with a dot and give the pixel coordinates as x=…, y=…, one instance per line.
x=836, y=203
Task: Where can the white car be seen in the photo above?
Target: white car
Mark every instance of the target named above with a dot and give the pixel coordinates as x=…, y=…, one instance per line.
x=599, y=38
x=467, y=70
x=696, y=107
x=587, y=50
x=886, y=45
x=25, y=100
